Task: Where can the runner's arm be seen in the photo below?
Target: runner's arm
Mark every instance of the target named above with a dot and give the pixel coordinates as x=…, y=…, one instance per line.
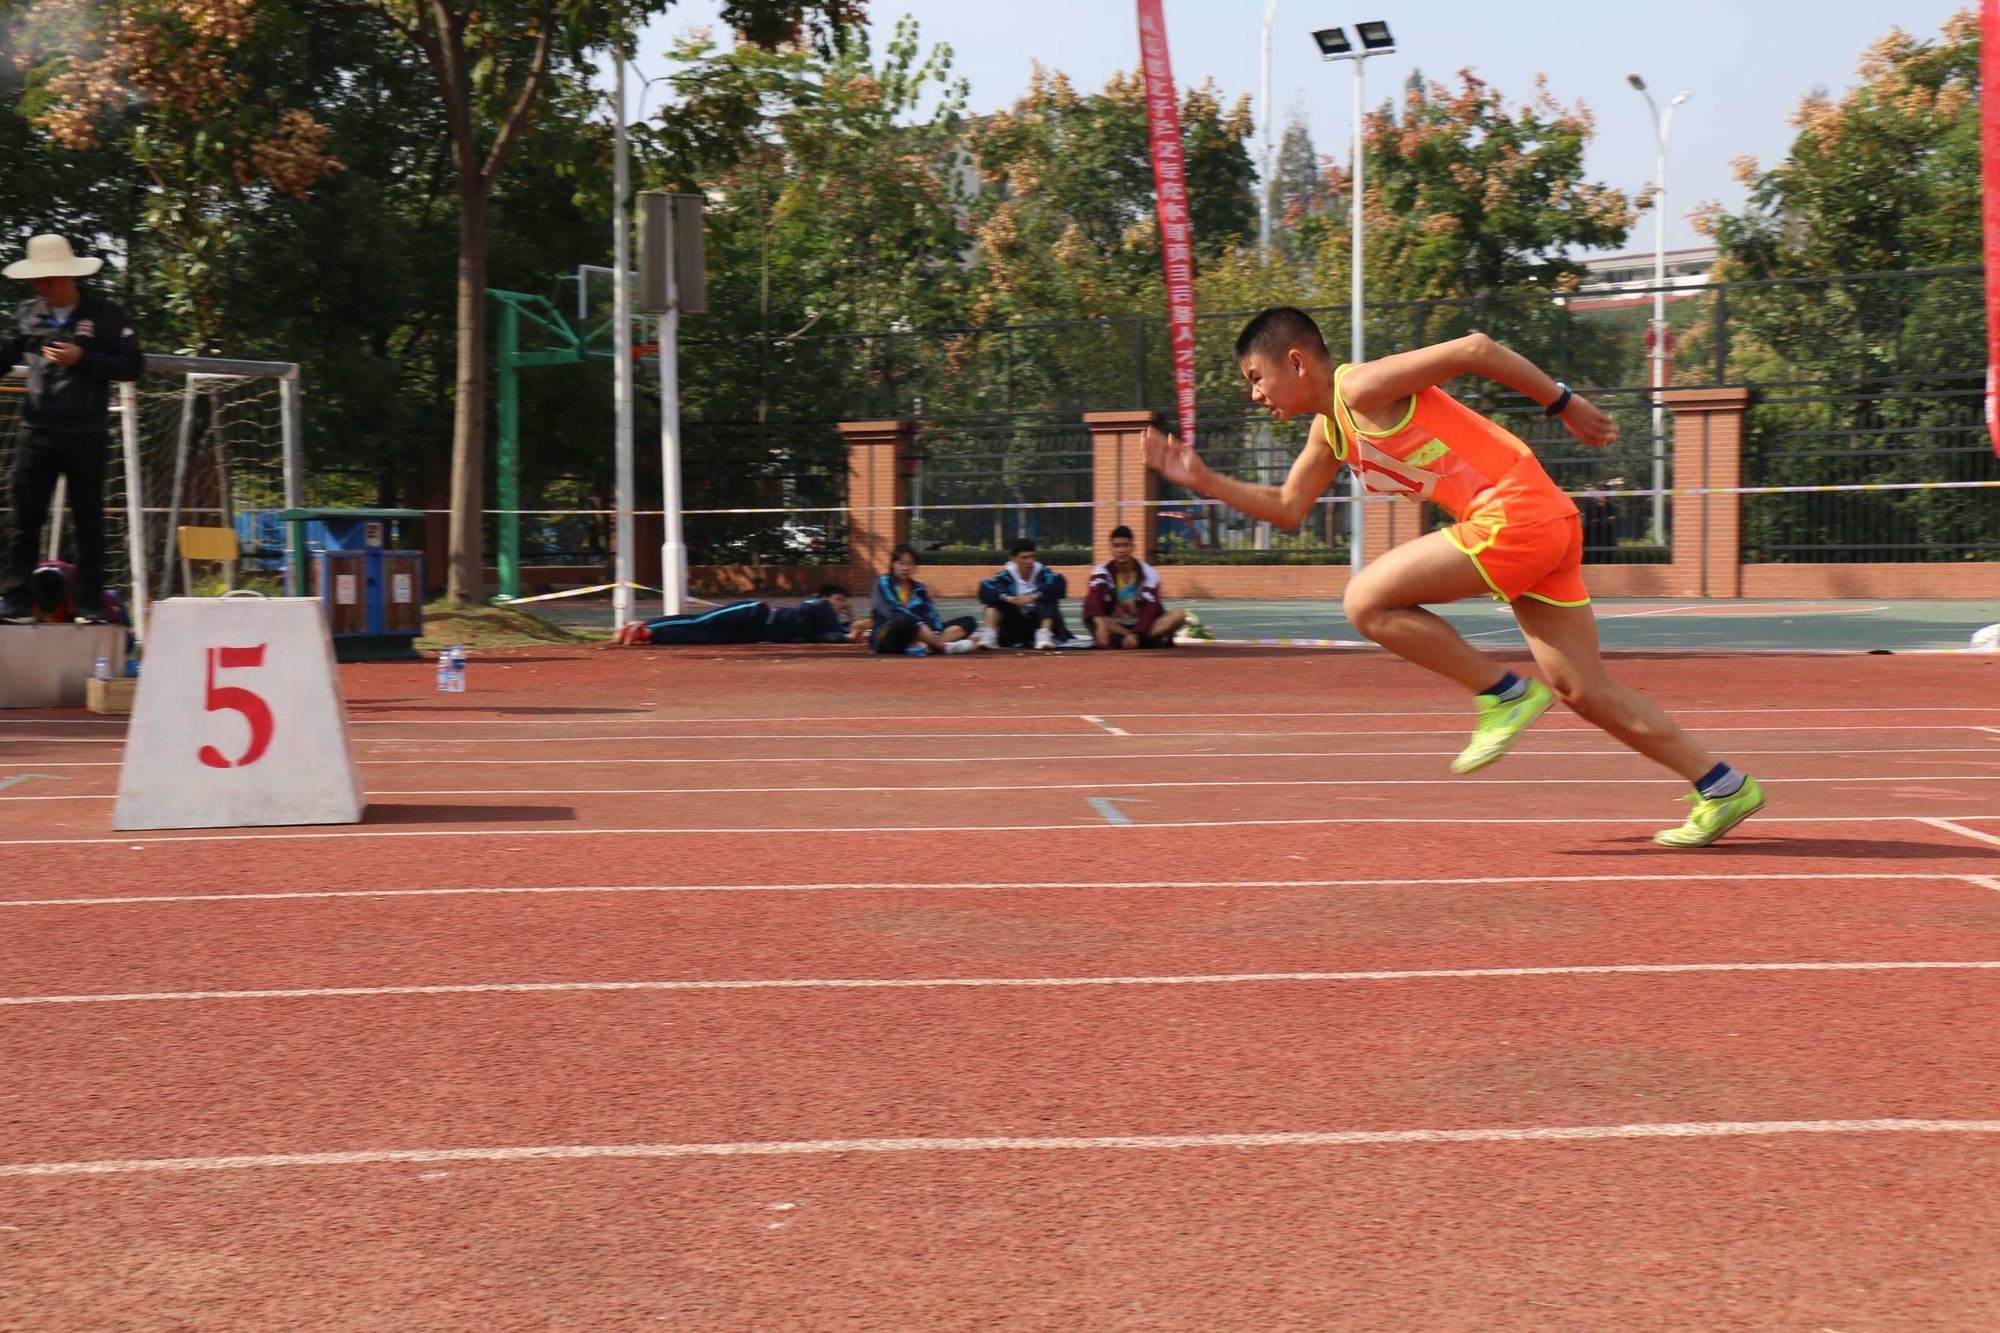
x=1287, y=505
x=1380, y=386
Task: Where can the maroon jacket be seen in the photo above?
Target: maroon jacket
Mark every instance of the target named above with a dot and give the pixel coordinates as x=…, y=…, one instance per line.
x=1102, y=598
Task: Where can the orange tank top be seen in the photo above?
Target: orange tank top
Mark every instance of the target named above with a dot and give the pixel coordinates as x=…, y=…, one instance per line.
x=1445, y=452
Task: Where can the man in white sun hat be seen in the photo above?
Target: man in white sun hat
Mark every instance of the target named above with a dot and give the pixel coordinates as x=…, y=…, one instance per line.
x=74, y=343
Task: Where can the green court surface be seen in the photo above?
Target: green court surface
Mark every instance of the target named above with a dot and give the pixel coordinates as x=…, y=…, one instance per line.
x=1853, y=626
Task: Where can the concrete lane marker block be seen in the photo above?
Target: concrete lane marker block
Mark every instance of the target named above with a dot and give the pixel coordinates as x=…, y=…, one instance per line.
x=239, y=720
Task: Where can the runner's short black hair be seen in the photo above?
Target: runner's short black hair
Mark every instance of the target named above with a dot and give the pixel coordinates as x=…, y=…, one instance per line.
x=1020, y=545
x=1278, y=330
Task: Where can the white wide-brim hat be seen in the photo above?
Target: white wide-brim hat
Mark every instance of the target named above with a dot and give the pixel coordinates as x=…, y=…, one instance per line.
x=51, y=257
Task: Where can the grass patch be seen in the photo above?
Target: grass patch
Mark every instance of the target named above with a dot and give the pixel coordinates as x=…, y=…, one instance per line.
x=490, y=627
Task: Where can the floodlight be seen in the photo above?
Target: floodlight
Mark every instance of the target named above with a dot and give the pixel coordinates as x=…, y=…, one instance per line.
x=1375, y=36
x=1333, y=42
x=1636, y=82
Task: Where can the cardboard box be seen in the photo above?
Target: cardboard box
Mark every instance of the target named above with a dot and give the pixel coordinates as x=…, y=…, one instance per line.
x=110, y=696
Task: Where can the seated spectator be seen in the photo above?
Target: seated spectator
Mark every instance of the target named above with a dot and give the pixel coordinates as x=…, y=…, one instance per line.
x=907, y=620
x=1024, y=603
x=825, y=617
x=1123, y=606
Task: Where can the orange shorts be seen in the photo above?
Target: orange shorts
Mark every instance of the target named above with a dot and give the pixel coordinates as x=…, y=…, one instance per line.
x=1541, y=558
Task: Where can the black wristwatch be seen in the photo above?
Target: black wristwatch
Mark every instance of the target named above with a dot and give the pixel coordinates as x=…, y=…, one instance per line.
x=1555, y=409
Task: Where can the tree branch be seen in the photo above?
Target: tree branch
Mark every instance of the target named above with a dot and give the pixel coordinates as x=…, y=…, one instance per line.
x=517, y=115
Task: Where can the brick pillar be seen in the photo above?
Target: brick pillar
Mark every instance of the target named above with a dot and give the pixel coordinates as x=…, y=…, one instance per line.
x=1708, y=452
x=878, y=456
x=1122, y=482
x=1389, y=523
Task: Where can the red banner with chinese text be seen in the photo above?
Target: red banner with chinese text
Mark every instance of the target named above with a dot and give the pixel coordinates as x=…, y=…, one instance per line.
x=1989, y=121
x=1170, y=185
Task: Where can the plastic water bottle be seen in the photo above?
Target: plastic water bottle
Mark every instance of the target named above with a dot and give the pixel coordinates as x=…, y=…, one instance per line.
x=444, y=671
x=458, y=668
x=101, y=669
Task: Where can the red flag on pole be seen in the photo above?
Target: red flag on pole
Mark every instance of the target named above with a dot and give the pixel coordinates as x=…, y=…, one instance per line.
x=1989, y=121
x=1170, y=185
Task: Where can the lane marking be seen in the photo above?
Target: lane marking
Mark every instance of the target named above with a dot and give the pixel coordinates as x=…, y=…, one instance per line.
x=1984, y=882
x=960, y=886
x=1098, y=721
x=821, y=761
x=19, y=778
x=1994, y=730
x=1949, y=827
x=1107, y=806
x=864, y=720
x=152, y=840
x=985, y=983
x=848, y=739
x=1728, y=1129
x=1085, y=786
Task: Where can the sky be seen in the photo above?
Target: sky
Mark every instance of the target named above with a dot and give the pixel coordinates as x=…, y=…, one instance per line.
x=1746, y=62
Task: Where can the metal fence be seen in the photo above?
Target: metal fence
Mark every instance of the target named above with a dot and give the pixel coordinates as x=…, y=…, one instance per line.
x=971, y=488
x=1858, y=379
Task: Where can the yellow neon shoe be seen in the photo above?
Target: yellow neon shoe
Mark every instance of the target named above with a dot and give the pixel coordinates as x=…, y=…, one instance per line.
x=1499, y=723
x=1712, y=819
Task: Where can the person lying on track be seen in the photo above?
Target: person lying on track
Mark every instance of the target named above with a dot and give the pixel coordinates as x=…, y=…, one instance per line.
x=1514, y=535
x=906, y=620
x=823, y=618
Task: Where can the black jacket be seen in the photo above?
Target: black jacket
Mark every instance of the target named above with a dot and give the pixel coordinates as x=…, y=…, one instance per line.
x=71, y=400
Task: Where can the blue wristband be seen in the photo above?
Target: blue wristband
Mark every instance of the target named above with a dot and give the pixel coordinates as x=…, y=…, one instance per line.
x=1555, y=409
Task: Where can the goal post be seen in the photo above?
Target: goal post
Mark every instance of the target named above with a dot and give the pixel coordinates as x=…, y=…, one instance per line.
x=206, y=441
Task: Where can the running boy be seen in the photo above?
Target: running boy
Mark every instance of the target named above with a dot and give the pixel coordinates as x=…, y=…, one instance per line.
x=1514, y=535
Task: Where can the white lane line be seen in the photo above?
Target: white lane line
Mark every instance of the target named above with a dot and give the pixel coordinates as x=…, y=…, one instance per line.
x=867, y=720
x=961, y=886
x=956, y=788
x=823, y=761
x=153, y=838
x=848, y=739
x=1984, y=882
x=985, y=983
x=1100, y=722
x=1722, y=1129
x=1994, y=730
x=1949, y=827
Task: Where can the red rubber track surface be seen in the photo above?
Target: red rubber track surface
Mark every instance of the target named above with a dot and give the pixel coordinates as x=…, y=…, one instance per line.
x=778, y=1038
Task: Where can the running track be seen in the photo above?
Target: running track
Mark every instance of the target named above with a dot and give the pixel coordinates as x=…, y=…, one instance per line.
x=1185, y=990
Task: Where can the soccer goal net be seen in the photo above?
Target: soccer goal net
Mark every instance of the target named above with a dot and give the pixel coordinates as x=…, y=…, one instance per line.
x=198, y=442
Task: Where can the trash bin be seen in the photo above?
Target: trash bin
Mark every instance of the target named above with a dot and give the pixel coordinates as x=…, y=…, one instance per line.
x=373, y=593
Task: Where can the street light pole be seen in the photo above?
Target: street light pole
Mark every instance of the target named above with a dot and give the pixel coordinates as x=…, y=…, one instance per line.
x=1333, y=45
x=1658, y=352
x=1264, y=213
x=624, y=572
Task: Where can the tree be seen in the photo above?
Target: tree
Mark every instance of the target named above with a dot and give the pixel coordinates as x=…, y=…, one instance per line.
x=169, y=86
x=1066, y=222
x=1465, y=196
x=1887, y=177
x=1882, y=180
x=492, y=65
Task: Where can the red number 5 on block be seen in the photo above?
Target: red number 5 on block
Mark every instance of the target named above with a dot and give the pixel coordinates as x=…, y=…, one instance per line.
x=228, y=698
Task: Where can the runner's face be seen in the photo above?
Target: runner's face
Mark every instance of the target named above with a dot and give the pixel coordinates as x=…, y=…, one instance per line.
x=1277, y=384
